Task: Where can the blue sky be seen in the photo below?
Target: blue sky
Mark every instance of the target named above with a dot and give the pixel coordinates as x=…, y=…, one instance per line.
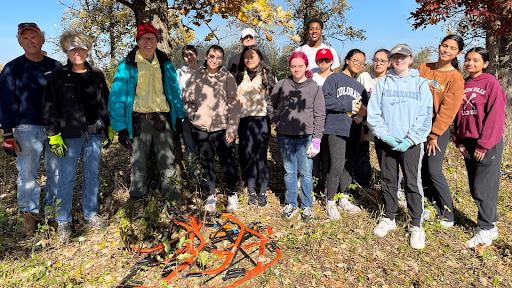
x=385, y=22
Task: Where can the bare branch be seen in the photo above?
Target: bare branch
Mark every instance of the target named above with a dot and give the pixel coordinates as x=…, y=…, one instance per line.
x=127, y=3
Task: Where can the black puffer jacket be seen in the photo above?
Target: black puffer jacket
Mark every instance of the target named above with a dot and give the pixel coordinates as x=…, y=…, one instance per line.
x=62, y=106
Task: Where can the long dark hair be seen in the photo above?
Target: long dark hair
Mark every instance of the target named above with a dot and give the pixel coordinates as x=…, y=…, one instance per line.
x=267, y=74
x=350, y=54
x=482, y=51
x=213, y=47
x=460, y=43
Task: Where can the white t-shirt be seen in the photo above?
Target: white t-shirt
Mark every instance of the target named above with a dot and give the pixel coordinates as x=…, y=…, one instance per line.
x=311, y=53
x=319, y=79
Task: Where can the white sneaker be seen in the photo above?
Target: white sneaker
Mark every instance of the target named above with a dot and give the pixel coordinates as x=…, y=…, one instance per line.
x=446, y=224
x=232, y=203
x=385, y=225
x=426, y=215
x=417, y=237
x=483, y=237
x=346, y=205
x=402, y=201
x=289, y=211
x=211, y=203
x=307, y=215
x=332, y=210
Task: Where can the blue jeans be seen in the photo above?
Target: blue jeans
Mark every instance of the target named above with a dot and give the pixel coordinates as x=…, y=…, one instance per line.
x=293, y=151
x=32, y=141
x=90, y=148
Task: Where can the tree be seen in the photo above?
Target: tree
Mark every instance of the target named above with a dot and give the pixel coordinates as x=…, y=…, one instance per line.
x=486, y=19
x=200, y=12
x=110, y=24
x=424, y=56
x=331, y=13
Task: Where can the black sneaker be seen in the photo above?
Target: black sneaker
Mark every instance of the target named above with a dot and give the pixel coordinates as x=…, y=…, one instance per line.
x=253, y=199
x=262, y=200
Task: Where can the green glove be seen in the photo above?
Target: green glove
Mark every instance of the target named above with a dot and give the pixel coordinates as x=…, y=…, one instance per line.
x=57, y=145
x=107, y=141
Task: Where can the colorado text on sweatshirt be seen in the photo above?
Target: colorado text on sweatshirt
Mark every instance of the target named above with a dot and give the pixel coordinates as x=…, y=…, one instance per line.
x=339, y=92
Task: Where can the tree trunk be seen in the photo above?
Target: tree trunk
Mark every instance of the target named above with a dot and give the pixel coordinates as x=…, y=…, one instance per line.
x=156, y=13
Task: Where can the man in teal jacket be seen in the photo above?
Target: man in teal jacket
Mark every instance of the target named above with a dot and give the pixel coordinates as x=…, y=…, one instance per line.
x=146, y=109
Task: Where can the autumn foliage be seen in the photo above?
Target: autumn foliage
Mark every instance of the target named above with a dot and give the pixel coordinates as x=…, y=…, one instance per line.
x=492, y=16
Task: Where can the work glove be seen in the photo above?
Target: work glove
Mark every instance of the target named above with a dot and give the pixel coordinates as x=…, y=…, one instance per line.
x=179, y=127
x=124, y=139
x=392, y=141
x=10, y=145
x=57, y=145
x=107, y=141
x=314, y=148
x=406, y=144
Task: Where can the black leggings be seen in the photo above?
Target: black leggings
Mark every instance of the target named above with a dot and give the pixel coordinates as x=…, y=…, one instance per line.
x=207, y=143
x=437, y=190
x=343, y=151
x=254, y=133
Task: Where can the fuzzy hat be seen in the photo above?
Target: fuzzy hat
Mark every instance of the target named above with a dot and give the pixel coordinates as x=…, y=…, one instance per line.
x=146, y=28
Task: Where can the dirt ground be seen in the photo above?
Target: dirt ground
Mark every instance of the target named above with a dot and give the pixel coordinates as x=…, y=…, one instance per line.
x=322, y=253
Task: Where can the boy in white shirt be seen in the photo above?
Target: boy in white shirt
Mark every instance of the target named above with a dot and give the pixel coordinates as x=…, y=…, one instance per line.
x=316, y=27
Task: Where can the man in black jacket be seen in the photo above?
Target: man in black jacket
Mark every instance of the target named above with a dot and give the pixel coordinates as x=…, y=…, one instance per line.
x=22, y=84
x=248, y=39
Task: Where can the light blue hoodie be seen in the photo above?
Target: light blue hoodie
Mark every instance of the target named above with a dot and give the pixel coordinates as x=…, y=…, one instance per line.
x=401, y=107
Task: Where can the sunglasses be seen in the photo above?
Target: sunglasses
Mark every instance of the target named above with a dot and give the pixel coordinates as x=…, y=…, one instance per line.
x=27, y=25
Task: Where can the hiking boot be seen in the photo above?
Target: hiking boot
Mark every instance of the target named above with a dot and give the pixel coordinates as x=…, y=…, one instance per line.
x=446, y=223
x=402, y=201
x=253, y=199
x=29, y=224
x=232, y=203
x=289, y=211
x=262, y=200
x=483, y=237
x=417, y=240
x=307, y=215
x=64, y=231
x=211, y=203
x=385, y=225
x=96, y=222
x=332, y=210
x=350, y=208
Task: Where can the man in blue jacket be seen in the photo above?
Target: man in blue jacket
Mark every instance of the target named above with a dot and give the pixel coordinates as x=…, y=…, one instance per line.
x=146, y=109
x=22, y=84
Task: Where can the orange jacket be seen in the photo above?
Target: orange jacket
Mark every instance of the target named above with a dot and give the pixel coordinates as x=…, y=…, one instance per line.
x=447, y=89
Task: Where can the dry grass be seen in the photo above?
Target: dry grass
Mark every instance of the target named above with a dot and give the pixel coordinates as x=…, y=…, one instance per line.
x=343, y=253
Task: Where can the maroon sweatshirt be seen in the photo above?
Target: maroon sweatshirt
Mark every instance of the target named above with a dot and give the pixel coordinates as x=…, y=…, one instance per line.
x=481, y=115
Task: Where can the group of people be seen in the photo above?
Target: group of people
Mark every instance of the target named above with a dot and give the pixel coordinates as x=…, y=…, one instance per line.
x=324, y=123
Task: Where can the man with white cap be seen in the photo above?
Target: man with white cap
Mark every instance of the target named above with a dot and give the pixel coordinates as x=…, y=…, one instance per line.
x=22, y=83
x=248, y=38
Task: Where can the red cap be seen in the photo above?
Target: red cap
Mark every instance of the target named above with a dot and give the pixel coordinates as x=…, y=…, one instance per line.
x=324, y=53
x=145, y=28
x=28, y=25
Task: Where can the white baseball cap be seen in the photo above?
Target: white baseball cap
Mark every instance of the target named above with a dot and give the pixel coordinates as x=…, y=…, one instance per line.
x=248, y=31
